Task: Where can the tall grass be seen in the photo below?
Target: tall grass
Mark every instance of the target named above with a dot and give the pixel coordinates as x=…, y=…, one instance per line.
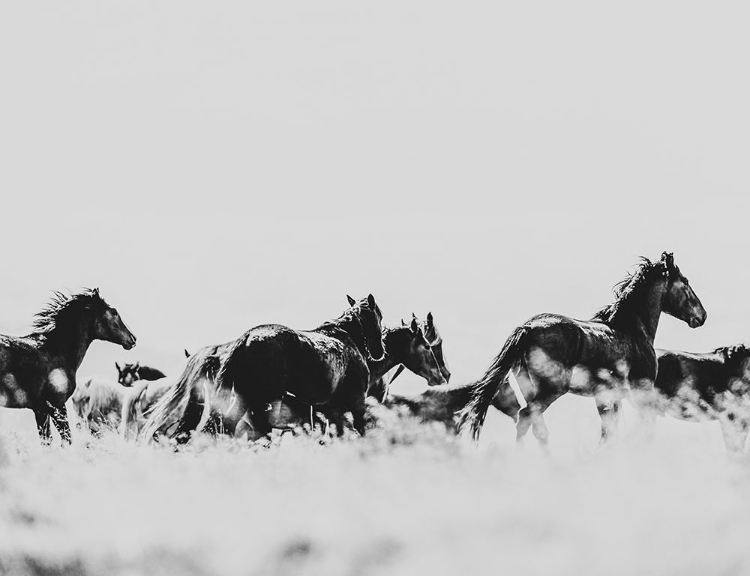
x=407, y=499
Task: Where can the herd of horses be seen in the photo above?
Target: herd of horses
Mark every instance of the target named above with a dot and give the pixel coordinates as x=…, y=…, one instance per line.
x=275, y=377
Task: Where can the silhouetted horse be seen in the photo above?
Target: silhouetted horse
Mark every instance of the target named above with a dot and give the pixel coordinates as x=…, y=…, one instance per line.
x=380, y=385
x=607, y=357
x=326, y=365
x=38, y=371
x=98, y=403
x=711, y=386
x=129, y=373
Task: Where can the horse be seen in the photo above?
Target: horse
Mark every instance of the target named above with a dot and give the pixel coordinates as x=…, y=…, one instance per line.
x=98, y=403
x=708, y=386
x=405, y=345
x=379, y=386
x=326, y=365
x=38, y=371
x=607, y=357
x=129, y=373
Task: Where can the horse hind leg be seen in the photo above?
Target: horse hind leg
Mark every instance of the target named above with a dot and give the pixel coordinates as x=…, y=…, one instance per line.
x=43, y=426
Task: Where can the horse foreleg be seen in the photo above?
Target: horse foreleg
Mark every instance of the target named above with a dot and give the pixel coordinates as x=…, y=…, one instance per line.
x=43, y=427
x=609, y=412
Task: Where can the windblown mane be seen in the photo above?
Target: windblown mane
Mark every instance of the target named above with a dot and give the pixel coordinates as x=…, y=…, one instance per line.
x=630, y=286
x=62, y=307
x=738, y=352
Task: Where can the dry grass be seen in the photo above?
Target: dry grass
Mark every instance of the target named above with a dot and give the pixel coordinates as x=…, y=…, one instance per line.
x=407, y=499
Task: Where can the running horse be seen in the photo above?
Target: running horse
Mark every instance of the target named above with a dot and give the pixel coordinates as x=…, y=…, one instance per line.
x=38, y=371
x=708, y=386
x=607, y=357
x=327, y=365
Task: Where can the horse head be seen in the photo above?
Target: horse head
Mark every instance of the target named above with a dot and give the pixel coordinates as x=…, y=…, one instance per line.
x=370, y=319
x=107, y=324
x=680, y=300
x=128, y=373
x=436, y=343
x=419, y=357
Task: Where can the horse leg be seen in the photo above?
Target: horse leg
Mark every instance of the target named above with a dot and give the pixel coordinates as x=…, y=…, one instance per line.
x=528, y=390
x=609, y=412
x=524, y=423
x=60, y=418
x=43, y=427
x=539, y=406
x=734, y=432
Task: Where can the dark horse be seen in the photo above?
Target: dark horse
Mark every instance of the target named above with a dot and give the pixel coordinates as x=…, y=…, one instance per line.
x=38, y=371
x=325, y=366
x=129, y=373
x=710, y=386
x=607, y=357
x=380, y=385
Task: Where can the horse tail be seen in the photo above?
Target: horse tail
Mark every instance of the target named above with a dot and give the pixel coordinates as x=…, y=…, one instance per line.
x=171, y=407
x=485, y=389
x=131, y=412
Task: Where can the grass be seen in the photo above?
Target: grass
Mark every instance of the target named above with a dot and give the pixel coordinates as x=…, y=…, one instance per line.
x=406, y=499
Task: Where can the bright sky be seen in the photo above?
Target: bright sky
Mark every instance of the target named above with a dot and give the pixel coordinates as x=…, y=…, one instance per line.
x=214, y=166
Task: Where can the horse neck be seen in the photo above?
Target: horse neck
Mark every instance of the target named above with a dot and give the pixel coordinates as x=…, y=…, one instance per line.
x=393, y=354
x=641, y=313
x=350, y=325
x=69, y=341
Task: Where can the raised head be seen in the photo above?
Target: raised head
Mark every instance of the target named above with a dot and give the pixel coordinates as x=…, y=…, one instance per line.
x=436, y=343
x=108, y=325
x=418, y=356
x=370, y=318
x=680, y=300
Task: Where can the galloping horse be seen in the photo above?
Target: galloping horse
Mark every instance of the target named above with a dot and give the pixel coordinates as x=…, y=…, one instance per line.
x=607, y=357
x=38, y=371
x=98, y=403
x=710, y=386
x=326, y=365
x=380, y=385
x=129, y=373
x=405, y=345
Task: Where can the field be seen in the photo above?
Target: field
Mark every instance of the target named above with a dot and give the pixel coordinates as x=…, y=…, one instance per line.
x=406, y=499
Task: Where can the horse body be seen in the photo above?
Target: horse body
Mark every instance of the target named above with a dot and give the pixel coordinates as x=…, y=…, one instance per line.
x=324, y=366
x=608, y=357
x=38, y=371
x=698, y=387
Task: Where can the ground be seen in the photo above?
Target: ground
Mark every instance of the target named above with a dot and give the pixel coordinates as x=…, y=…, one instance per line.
x=407, y=499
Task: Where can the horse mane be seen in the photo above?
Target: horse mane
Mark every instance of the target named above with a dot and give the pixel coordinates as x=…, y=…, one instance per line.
x=62, y=307
x=631, y=285
x=735, y=353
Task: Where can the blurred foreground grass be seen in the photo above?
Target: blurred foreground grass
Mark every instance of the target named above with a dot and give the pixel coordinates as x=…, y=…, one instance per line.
x=407, y=499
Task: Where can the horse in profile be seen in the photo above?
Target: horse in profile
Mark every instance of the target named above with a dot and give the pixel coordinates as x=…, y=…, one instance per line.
x=708, y=386
x=97, y=402
x=132, y=372
x=380, y=384
x=38, y=371
x=608, y=357
x=324, y=366
x=405, y=345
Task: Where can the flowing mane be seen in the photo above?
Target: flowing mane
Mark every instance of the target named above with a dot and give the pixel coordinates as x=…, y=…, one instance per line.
x=736, y=353
x=62, y=307
x=630, y=288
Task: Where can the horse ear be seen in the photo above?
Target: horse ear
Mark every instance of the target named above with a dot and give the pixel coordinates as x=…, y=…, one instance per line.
x=137, y=365
x=96, y=292
x=117, y=365
x=187, y=354
x=402, y=322
x=429, y=319
x=668, y=258
x=414, y=326
x=351, y=300
x=371, y=300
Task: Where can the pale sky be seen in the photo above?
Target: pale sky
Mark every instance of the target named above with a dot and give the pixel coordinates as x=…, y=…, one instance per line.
x=214, y=166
